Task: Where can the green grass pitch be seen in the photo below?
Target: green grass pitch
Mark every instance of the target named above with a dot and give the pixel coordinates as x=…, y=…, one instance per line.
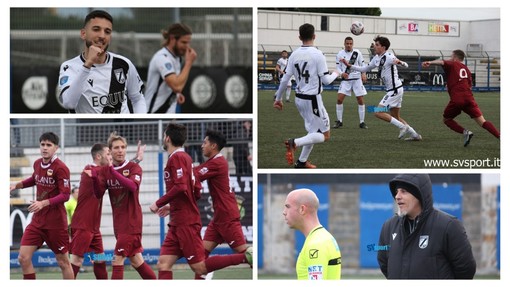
x=378, y=146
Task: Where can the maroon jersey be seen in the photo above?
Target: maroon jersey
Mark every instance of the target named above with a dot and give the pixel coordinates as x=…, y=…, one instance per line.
x=127, y=212
x=51, y=180
x=215, y=171
x=458, y=79
x=180, y=183
x=87, y=214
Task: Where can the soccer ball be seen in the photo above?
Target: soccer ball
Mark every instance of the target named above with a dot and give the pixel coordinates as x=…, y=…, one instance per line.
x=357, y=28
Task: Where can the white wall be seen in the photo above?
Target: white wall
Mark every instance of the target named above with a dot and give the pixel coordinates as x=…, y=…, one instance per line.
x=278, y=28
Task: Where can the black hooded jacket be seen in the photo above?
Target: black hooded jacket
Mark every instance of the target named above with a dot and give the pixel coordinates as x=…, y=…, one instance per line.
x=437, y=249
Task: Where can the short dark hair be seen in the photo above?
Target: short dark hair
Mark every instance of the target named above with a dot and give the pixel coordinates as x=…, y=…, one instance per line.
x=97, y=149
x=49, y=136
x=459, y=54
x=177, y=133
x=348, y=38
x=98, y=14
x=217, y=138
x=306, y=32
x=385, y=42
x=284, y=51
x=177, y=30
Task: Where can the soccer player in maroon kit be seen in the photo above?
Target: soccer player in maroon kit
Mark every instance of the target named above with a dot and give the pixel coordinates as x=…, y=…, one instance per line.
x=459, y=82
x=86, y=235
x=123, y=181
x=226, y=223
x=49, y=222
x=182, y=191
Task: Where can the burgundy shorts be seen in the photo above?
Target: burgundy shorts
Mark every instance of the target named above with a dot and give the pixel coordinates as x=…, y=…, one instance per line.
x=184, y=241
x=229, y=232
x=56, y=239
x=128, y=245
x=84, y=241
x=467, y=105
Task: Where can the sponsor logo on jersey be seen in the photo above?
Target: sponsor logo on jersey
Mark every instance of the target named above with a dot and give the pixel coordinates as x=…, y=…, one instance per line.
x=313, y=253
x=180, y=173
x=315, y=272
x=424, y=241
x=120, y=76
x=91, y=82
x=203, y=170
x=66, y=182
x=112, y=99
x=63, y=80
x=137, y=177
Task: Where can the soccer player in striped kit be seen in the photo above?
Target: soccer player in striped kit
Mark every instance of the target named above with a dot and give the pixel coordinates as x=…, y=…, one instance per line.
x=98, y=81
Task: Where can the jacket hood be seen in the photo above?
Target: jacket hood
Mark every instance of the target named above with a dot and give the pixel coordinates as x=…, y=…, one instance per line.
x=422, y=183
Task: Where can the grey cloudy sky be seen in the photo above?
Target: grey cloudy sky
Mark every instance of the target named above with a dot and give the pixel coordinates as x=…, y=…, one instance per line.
x=443, y=13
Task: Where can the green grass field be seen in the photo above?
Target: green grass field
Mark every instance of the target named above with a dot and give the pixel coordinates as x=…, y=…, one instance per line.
x=180, y=272
x=378, y=146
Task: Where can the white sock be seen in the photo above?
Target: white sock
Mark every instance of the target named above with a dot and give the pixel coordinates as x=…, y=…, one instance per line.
x=397, y=123
x=311, y=138
x=361, y=112
x=305, y=152
x=339, y=111
x=413, y=132
x=288, y=93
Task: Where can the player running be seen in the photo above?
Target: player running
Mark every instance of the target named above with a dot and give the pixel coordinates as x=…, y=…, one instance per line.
x=281, y=64
x=351, y=81
x=309, y=67
x=386, y=63
x=182, y=191
x=49, y=222
x=320, y=256
x=459, y=82
x=225, y=226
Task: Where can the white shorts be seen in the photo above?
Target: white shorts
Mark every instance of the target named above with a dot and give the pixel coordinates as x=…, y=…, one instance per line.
x=313, y=112
x=355, y=85
x=393, y=99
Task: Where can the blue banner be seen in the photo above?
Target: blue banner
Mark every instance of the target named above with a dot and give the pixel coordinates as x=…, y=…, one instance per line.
x=376, y=206
x=46, y=258
x=322, y=192
x=260, y=225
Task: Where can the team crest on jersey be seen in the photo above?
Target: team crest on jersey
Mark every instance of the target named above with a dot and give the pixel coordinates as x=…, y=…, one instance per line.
x=424, y=241
x=120, y=76
x=179, y=173
x=49, y=172
x=168, y=66
x=125, y=172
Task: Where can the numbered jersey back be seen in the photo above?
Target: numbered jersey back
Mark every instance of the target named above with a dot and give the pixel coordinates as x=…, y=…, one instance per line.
x=307, y=64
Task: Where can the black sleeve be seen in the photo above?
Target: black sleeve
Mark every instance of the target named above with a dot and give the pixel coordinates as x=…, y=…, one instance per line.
x=459, y=251
x=382, y=255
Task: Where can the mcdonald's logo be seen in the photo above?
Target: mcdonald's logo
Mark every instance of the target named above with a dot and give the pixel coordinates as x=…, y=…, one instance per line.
x=438, y=80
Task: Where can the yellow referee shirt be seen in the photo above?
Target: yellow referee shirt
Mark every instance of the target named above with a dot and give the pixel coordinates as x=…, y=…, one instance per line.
x=320, y=257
